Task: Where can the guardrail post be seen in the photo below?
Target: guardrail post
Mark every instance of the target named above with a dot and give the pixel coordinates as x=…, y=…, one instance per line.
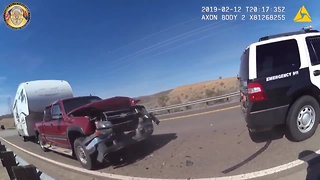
x=26, y=172
x=8, y=160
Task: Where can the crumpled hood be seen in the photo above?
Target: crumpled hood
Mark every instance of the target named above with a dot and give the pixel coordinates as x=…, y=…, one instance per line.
x=111, y=104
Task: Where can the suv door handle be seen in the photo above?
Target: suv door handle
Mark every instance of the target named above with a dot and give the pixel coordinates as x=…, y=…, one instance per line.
x=316, y=72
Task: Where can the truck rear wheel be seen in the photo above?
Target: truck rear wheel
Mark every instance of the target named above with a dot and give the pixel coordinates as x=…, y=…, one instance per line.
x=86, y=160
x=303, y=118
x=41, y=143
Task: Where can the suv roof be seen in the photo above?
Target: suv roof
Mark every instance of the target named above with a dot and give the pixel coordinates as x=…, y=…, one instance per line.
x=279, y=37
x=302, y=31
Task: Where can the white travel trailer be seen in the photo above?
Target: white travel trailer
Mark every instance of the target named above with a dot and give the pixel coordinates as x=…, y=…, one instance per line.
x=31, y=99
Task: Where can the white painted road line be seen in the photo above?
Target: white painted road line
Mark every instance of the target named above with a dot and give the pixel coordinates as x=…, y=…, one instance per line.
x=198, y=114
x=251, y=175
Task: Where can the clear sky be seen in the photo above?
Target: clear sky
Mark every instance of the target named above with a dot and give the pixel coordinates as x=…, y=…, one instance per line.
x=131, y=47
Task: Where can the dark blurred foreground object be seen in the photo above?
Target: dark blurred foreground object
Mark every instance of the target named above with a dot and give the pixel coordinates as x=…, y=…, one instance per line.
x=26, y=172
x=8, y=159
x=313, y=160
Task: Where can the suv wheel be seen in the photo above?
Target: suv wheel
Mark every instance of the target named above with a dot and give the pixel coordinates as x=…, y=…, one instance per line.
x=303, y=118
x=85, y=159
x=41, y=143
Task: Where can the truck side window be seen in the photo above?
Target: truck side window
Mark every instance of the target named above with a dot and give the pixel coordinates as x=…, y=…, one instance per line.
x=47, y=114
x=314, y=49
x=56, y=112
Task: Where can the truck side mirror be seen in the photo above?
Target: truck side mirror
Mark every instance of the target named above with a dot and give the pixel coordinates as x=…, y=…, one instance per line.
x=57, y=116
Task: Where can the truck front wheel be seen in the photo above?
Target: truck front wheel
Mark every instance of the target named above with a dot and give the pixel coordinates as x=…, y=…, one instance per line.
x=86, y=160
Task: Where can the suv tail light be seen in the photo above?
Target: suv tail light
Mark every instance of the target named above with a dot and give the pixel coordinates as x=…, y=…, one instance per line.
x=256, y=92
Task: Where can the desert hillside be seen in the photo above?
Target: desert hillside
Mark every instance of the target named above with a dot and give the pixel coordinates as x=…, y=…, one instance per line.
x=7, y=123
x=191, y=92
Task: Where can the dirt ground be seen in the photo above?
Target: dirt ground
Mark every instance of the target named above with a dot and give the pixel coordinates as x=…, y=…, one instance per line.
x=7, y=122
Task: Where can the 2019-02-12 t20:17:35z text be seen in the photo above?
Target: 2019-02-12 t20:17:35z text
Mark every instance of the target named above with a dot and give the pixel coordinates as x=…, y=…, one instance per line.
x=251, y=13
x=245, y=9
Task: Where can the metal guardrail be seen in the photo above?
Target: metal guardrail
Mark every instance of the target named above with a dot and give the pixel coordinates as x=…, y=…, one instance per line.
x=206, y=100
x=17, y=168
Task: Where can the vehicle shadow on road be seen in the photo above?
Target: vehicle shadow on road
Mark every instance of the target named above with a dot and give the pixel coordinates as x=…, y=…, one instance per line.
x=254, y=155
x=313, y=160
x=259, y=137
x=137, y=151
x=277, y=132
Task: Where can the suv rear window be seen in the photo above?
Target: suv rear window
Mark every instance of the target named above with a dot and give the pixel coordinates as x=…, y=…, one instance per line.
x=244, y=66
x=276, y=58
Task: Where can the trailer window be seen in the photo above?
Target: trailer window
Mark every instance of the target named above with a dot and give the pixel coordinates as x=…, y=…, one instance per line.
x=22, y=97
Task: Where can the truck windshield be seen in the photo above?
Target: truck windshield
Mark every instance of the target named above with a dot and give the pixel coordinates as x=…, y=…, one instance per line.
x=72, y=104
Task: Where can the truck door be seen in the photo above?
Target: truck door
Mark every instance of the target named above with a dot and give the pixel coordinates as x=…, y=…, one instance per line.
x=58, y=127
x=46, y=124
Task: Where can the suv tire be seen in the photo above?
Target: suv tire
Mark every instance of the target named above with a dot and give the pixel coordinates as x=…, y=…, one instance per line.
x=303, y=118
x=86, y=160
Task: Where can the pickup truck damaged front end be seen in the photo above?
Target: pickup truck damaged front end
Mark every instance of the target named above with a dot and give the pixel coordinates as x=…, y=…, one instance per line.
x=118, y=129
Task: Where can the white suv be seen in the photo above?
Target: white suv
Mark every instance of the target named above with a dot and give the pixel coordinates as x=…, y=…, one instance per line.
x=280, y=83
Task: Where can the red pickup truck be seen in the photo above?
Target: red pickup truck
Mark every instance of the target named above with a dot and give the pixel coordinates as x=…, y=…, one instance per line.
x=89, y=128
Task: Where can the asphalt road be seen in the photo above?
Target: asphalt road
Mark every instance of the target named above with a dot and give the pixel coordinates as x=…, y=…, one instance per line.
x=211, y=144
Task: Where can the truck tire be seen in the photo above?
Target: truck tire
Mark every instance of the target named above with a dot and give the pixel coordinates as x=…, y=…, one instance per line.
x=25, y=138
x=41, y=143
x=86, y=160
x=303, y=118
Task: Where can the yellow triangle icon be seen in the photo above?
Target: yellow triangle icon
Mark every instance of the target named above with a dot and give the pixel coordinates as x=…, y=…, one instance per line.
x=303, y=16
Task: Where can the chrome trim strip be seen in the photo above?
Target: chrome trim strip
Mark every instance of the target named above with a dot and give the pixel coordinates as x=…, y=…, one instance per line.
x=60, y=150
x=270, y=109
x=56, y=138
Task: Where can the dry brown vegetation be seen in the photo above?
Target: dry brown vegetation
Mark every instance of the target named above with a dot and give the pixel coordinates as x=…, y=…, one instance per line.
x=191, y=92
x=7, y=123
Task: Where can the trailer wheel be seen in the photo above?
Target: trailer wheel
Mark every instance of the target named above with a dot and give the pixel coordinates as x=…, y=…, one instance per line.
x=86, y=160
x=41, y=143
